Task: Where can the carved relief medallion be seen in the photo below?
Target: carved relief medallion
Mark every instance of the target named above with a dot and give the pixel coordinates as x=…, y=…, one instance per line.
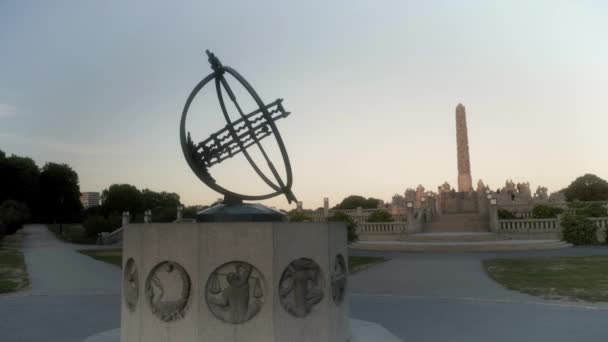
x=168, y=290
x=130, y=285
x=301, y=287
x=235, y=292
x=338, y=279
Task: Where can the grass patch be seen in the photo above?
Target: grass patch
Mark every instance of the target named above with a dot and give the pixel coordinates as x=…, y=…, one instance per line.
x=358, y=263
x=565, y=278
x=114, y=256
x=13, y=275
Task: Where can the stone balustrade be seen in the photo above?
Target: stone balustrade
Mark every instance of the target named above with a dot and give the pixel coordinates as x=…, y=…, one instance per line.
x=114, y=237
x=600, y=222
x=545, y=228
x=529, y=225
x=358, y=215
x=381, y=230
x=602, y=228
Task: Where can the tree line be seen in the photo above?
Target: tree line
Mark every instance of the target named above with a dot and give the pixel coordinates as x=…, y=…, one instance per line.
x=29, y=193
x=51, y=194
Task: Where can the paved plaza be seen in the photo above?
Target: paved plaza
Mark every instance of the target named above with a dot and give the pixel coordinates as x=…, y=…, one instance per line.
x=417, y=296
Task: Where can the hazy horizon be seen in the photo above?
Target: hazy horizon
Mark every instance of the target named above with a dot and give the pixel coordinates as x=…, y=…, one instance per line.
x=372, y=90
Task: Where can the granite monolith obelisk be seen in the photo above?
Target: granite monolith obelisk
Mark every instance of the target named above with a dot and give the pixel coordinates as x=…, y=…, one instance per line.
x=465, y=184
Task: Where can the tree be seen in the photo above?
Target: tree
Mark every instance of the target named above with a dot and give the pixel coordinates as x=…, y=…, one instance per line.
x=19, y=180
x=59, y=194
x=122, y=197
x=380, y=216
x=354, y=201
x=587, y=188
x=153, y=200
x=350, y=225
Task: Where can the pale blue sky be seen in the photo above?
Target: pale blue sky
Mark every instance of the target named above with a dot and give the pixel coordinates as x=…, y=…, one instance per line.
x=372, y=86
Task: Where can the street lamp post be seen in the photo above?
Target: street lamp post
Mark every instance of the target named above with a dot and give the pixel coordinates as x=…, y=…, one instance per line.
x=60, y=215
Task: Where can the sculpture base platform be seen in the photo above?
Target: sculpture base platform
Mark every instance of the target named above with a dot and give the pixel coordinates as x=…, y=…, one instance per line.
x=237, y=282
x=361, y=331
x=241, y=212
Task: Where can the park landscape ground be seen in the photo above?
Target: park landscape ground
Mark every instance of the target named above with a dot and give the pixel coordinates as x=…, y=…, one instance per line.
x=416, y=296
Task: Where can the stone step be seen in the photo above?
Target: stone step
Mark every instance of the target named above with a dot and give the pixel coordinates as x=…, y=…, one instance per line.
x=454, y=237
x=457, y=247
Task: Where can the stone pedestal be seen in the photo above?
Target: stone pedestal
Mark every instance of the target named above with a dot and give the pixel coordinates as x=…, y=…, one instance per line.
x=493, y=215
x=238, y=282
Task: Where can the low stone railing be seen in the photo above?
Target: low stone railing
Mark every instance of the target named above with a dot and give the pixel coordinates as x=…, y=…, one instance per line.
x=600, y=222
x=381, y=230
x=529, y=225
x=527, y=214
x=602, y=228
x=545, y=228
x=359, y=215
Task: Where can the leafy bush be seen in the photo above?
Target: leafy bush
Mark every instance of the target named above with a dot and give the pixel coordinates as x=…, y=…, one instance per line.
x=578, y=230
x=380, y=216
x=13, y=215
x=295, y=216
x=542, y=211
x=504, y=214
x=164, y=214
x=350, y=225
x=189, y=212
x=94, y=225
x=594, y=210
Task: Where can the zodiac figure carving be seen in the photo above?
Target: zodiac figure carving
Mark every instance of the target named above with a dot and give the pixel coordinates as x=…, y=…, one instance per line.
x=131, y=285
x=168, y=291
x=301, y=287
x=338, y=279
x=234, y=292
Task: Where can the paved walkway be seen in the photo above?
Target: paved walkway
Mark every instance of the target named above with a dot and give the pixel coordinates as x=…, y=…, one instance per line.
x=71, y=295
x=417, y=296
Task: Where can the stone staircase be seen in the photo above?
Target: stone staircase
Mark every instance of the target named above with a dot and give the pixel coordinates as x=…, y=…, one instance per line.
x=454, y=237
x=463, y=232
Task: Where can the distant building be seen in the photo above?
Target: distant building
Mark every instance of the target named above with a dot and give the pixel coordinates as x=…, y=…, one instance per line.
x=89, y=199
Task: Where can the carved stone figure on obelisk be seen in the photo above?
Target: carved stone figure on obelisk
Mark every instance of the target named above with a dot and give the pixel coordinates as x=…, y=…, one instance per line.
x=465, y=184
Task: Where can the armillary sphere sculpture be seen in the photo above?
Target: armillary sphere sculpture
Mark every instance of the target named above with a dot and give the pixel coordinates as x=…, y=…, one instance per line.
x=236, y=137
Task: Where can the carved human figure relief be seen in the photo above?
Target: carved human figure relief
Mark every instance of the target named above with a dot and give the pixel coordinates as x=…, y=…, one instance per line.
x=301, y=287
x=338, y=279
x=168, y=290
x=130, y=284
x=235, y=292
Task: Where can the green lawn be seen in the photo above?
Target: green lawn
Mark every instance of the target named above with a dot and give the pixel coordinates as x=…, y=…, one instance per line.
x=569, y=278
x=13, y=275
x=114, y=256
x=358, y=263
